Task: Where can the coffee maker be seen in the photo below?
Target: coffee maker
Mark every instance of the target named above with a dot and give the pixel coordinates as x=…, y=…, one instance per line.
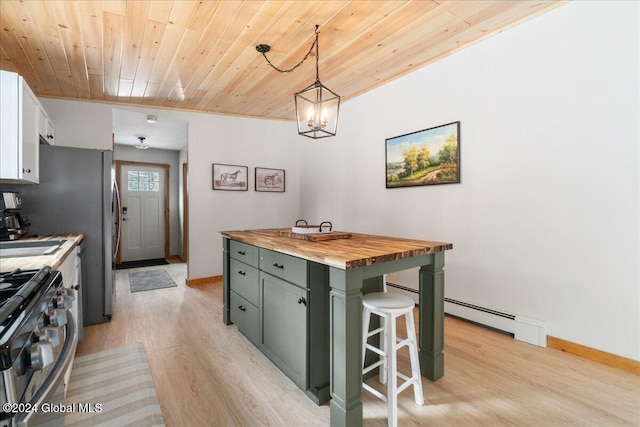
x=12, y=224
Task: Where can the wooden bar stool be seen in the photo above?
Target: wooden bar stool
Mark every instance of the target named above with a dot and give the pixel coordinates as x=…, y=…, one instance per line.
x=390, y=306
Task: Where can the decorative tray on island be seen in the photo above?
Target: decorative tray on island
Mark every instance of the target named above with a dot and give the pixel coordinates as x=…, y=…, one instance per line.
x=314, y=233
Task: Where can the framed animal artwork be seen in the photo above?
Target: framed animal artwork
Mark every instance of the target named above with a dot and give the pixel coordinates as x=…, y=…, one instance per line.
x=271, y=180
x=230, y=177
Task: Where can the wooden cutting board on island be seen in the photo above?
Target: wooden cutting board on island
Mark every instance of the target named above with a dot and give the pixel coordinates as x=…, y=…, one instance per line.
x=300, y=302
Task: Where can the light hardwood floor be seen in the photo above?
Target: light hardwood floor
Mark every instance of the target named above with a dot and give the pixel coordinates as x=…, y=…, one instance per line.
x=208, y=374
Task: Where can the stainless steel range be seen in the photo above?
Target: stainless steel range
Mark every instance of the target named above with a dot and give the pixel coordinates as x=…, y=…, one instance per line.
x=38, y=340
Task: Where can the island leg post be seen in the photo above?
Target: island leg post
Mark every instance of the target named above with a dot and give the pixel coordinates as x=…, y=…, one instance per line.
x=431, y=318
x=226, y=296
x=346, y=351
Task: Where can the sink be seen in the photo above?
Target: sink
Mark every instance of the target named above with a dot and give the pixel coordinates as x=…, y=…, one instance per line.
x=29, y=248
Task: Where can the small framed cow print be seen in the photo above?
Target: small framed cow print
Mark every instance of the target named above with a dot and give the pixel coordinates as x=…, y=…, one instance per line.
x=271, y=180
x=230, y=177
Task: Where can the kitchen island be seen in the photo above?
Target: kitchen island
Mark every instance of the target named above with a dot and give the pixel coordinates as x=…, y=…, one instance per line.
x=263, y=270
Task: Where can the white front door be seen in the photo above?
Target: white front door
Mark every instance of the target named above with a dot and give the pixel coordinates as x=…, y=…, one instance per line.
x=143, y=205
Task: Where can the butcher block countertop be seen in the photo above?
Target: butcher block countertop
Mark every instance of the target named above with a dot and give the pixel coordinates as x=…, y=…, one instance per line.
x=358, y=251
x=54, y=260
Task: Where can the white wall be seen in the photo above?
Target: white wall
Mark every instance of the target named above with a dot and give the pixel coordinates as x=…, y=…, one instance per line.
x=237, y=141
x=545, y=223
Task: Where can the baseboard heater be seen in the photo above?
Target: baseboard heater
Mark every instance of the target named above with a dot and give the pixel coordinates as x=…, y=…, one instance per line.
x=522, y=328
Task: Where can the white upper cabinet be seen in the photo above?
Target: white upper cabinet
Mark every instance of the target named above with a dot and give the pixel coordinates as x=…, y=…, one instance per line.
x=20, y=130
x=46, y=129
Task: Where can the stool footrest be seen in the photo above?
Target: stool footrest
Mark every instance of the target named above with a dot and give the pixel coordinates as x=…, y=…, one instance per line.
x=407, y=382
x=402, y=342
x=372, y=366
x=375, y=392
x=375, y=332
x=375, y=350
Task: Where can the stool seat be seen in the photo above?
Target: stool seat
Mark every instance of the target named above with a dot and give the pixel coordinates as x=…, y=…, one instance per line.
x=388, y=301
x=389, y=306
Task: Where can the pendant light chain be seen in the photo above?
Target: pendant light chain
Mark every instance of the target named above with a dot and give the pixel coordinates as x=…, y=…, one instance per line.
x=315, y=44
x=317, y=107
x=317, y=56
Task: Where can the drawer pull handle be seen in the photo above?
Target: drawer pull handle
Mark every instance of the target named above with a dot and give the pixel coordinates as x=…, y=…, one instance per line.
x=302, y=301
x=242, y=253
x=242, y=273
x=280, y=266
x=241, y=308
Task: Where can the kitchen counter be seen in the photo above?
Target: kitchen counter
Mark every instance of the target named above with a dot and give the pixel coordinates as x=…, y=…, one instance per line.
x=351, y=263
x=54, y=260
x=358, y=251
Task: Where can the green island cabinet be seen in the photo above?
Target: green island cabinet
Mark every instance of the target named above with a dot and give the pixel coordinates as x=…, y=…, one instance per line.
x=300, y=303
x=281, y=304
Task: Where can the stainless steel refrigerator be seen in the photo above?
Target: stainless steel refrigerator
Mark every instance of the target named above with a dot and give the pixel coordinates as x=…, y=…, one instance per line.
x=76, y=195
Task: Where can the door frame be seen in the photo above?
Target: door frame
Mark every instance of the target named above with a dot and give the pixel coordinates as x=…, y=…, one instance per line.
x=167, y=237
x=185, y=214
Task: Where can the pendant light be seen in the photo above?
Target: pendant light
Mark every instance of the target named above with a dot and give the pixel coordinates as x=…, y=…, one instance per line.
x=317, y=106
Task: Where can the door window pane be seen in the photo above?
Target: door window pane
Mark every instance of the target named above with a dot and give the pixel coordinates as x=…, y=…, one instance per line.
x=143, y=181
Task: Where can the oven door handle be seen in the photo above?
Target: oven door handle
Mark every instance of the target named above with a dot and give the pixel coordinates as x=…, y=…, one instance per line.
x=57, y=373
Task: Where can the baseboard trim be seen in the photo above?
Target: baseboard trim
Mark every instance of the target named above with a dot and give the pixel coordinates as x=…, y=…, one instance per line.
x=592, y=354
x=204, y=281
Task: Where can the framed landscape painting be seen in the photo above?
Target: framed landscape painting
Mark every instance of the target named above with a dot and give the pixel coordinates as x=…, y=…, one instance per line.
x=270, y=180
x=426, y=157
x=230, y=177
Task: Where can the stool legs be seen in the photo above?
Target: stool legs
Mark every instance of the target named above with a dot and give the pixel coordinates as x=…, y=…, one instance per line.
x=392, y=369
x=415, y=365
x=388, y=363
x=366, y=318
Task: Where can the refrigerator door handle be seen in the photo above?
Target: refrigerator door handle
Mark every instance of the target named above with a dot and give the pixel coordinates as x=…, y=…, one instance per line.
x=119, y=223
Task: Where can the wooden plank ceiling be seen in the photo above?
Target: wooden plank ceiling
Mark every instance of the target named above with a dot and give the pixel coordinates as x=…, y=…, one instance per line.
x=200, y=55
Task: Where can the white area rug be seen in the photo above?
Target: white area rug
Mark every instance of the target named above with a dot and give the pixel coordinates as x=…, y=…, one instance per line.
x=117, y=382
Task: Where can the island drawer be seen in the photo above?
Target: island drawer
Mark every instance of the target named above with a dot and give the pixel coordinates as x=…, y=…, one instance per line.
x=284, y=266
x=244, y=281
x=246, y=317
x=244, y=252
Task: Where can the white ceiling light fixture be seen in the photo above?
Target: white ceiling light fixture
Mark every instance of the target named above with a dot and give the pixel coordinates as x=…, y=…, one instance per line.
x=141, y=145
x=152, y=119
x=317, y=106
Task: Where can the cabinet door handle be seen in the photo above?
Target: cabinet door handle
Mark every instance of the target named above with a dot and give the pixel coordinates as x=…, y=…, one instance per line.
x=76, y=287
x=280, y=266
x=302, y=301
x=26, y=170
x=241, y=308
x=242, y=253
x=242, y=273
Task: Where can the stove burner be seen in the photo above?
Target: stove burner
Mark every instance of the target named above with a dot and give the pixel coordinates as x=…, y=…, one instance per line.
x=16, y=291
x=11, y=282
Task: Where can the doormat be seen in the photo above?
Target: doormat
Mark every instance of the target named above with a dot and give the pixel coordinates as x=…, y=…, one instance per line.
x=141, y=263
x=149, y=280
x=119, y=380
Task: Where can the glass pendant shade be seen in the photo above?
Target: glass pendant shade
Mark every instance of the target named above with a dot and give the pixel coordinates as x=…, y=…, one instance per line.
x=317, y=110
